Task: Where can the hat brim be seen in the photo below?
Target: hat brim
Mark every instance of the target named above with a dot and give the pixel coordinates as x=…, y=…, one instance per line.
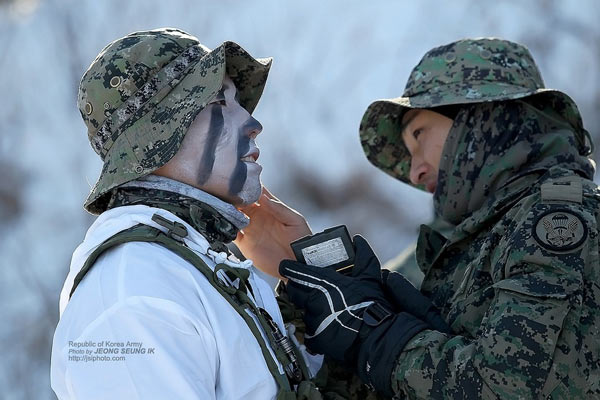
x=380, y=126
x=150, y=145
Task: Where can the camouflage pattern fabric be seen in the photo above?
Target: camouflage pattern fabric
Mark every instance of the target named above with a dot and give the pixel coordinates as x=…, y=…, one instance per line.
x=518, y=280
x=142, y=92
x=463, y=72
x=406, y=262
x=336, y=381
x=205, y=219
x=491, y=144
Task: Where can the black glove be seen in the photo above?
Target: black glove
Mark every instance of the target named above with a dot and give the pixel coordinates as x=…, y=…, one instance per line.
x=348, y=317
x=334, y=304
x=405, y=297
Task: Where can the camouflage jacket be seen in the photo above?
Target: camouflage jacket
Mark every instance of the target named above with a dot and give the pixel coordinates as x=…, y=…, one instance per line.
x=518, y=280
x=406, y=262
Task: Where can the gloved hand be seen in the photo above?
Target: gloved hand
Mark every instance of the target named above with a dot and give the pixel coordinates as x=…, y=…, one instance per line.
x=348, y=317
x=334, y=304
x=403, y=296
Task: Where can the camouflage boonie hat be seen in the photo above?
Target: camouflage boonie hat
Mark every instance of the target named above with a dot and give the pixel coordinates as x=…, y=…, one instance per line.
x=143, y=91
x=462, y=72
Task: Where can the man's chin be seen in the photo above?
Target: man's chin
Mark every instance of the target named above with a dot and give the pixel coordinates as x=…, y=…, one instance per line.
x=250, y=193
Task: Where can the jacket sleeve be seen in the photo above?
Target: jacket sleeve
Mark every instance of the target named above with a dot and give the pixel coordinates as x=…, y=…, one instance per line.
x=179, y=357
x=524, y=346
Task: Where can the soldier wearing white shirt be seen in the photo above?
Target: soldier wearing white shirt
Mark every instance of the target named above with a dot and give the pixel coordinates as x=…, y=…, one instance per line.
x=154, y=305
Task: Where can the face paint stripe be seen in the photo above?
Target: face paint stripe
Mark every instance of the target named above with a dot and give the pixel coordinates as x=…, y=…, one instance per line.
x=215, y=130
x=240, y=173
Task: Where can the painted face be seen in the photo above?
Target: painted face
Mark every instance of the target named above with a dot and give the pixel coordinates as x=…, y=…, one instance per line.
x=424, y=133
x=218, y=153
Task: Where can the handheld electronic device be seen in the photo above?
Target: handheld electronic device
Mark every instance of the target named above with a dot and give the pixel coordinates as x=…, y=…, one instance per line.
x=331, y=248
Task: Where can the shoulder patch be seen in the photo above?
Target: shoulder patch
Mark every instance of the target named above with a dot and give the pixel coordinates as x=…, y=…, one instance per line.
x=562, y=190
x=560, y=230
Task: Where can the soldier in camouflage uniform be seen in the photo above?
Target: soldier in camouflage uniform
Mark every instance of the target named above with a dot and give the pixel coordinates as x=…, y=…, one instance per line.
x=518, y=279
x=166, y=311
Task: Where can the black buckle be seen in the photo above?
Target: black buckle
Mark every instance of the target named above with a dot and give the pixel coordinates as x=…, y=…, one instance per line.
x=176, y=230
x=375, y=314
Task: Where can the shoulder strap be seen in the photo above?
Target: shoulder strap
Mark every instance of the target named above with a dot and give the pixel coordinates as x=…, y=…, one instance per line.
x=133, y=234
x=238, y=300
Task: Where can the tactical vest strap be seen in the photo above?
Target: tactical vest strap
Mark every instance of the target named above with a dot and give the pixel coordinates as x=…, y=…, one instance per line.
x=133, y=234
x=238, y=300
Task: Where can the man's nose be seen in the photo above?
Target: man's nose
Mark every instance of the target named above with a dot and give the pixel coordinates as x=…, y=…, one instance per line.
x=252, y=127
x=418, y=170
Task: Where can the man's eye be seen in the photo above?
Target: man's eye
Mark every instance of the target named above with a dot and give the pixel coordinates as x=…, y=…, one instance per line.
x=417, y=132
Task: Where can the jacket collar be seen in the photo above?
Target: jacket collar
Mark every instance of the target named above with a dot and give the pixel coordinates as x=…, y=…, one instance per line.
x=217, y=221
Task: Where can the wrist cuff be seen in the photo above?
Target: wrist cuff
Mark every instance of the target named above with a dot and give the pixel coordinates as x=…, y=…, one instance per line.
x=382, y=347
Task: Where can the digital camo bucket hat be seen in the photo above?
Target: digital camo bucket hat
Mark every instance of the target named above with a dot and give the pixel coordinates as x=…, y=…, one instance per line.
x=142, y=92
x=462, y=72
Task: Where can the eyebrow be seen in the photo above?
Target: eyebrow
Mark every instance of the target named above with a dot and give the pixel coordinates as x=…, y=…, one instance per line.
x=404, y=125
